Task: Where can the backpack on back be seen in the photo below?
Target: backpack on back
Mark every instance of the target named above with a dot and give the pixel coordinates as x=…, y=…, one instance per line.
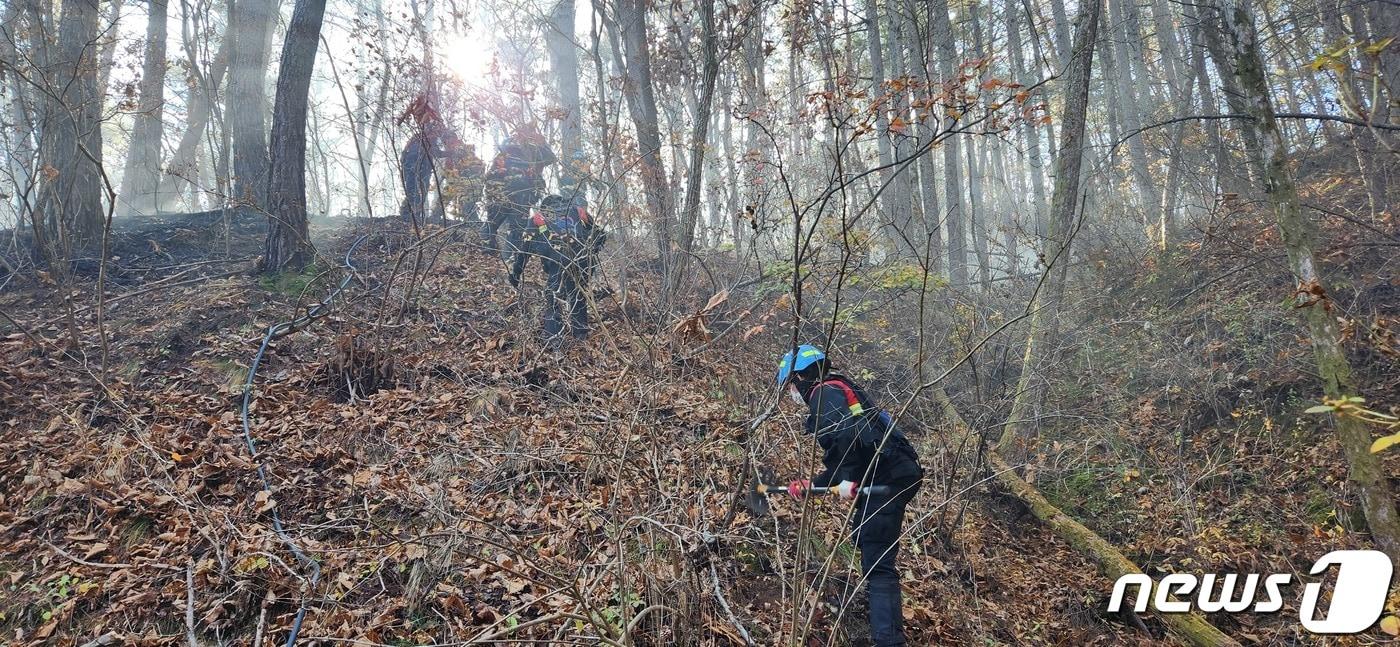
x=568, y=228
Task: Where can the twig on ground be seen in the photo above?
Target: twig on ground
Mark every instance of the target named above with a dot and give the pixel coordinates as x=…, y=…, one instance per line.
x=83, y=562
x=262, y=622
x=724, y=605
x=189, y=604
x=643, y=614
x=109, y=638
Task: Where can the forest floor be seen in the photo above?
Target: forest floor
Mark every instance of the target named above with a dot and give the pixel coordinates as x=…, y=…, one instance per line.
x=458, y=482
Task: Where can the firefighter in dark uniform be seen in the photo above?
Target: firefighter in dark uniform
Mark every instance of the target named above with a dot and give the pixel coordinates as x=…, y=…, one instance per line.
x=426, y=148
x=567, y=241
x=514, y=184
x=860, y=446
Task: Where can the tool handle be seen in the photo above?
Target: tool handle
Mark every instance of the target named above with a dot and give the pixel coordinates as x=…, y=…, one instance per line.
x=878, y=490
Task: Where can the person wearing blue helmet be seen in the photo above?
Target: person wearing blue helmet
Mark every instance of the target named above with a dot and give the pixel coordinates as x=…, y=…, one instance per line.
x=567, y=241
x=860, y=446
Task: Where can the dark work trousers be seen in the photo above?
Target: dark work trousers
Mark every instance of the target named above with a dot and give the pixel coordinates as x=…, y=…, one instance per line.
x=876, y=526
x=515, y=218
x=416, y=171
x=564, y=301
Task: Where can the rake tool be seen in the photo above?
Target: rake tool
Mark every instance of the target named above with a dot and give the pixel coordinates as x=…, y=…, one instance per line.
x=769, y=490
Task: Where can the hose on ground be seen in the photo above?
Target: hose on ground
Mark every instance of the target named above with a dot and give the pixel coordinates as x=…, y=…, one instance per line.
x=273, y=332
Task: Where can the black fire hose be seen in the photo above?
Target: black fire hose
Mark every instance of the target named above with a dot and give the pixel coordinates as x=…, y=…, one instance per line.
x=273, y=332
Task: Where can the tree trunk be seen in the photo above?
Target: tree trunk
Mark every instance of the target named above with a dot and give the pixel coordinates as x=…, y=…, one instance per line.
x=977, y=170
x=900, y=208
x=1057, y=11
x=1230, y=86
x=1300, y=239
x=109, y=46
x=1191, y=627
x=1385, y=23
x=70, y=201
x=713, y=232
x=1363, y=140
x=755, y=105
x=941, y=31
x=21, y=141
x=925, y=126
x=611, y=198
x=371, y=115
x=1064, y=203
x=1209, y=105
x=288, y=245
x=184, y=166
x=141, y=177
x=1010, y=226
x=1179, y=89
x=874, y=42
x=698, y=137
x=731, y=167
x=1030, y=130
x=247, y=94
x=563, y=62
x=1131, y=108
x=641, y=104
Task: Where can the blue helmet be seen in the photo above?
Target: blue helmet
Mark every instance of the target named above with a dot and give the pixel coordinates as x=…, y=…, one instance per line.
x=806, y=356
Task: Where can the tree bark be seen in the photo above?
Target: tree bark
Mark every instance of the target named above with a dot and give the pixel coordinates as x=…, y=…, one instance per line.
x=21, y=142
x=755, y=106
x=1064, y=203
x=941, y=30
x=1028, y=129
x=1007, y=207
x=900, y=208
x=1230, y=86
x=563, y=62
x=1209, y=105
x=109, y=45
x=184, y=164
x=1384, y=22
x=927, y=130
x=641, y=104
x=70, y=202
x=1128, y=77
x=1062, y=44
x=1363, y=140
x=141, y=177
x=288, y=244
x=885, y=157
x=247, y=94
x=1179, y=89
x=698, y=137
x=731, y=168
x=1299, y=235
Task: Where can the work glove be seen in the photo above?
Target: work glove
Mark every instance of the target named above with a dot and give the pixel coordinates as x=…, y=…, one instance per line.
x=799, y=488
x=847, y=490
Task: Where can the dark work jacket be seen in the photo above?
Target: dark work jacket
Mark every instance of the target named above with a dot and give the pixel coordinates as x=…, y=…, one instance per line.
x=516, y=173
x=430, y=140
x=851, y=444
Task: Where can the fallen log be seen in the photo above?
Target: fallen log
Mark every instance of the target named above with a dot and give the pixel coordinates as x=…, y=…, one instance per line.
x=1190, y=627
